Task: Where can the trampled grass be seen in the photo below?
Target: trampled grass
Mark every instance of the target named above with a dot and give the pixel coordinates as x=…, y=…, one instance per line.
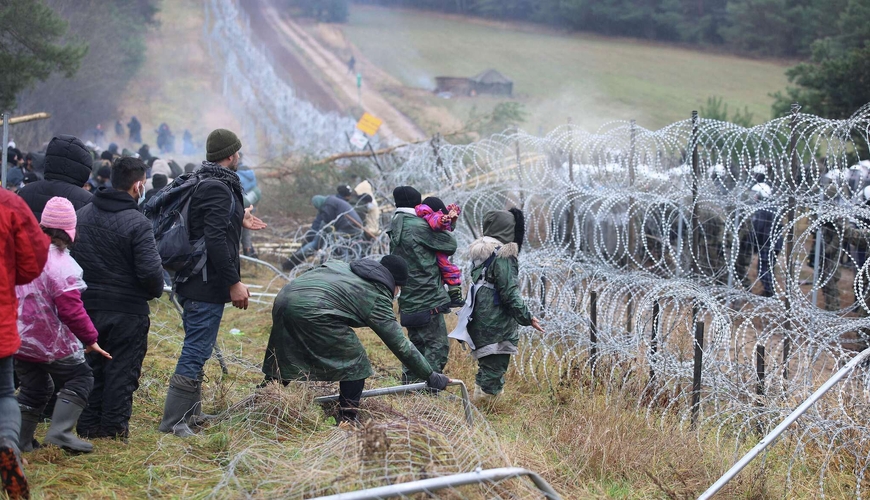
x=277, y=443
x=588, y=78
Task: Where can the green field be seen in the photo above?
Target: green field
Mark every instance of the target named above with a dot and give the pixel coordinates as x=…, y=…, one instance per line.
x=591, y=79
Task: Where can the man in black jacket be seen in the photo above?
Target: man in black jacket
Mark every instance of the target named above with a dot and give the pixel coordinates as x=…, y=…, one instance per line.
x=68, y=167
x=216, y=213
x=116, y=249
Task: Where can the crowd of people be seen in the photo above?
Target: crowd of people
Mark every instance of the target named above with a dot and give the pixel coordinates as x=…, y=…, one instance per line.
x=85, y=261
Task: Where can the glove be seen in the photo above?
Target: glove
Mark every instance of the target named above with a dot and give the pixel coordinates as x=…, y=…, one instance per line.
x=437, y=381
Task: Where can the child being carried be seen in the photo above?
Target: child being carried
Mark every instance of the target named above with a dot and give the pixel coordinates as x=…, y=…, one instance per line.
x=443, y=218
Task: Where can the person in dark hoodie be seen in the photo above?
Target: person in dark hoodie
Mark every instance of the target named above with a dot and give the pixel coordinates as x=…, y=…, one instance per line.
x=217, y=214
x=115, y=247
x=158, y=181
x=312, y=328
x=333, y=214
x=68, y=165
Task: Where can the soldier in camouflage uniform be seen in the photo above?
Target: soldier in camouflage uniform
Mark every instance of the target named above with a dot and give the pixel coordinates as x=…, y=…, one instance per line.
x=312, y=320
x=498, y=307
x=832, y=245
x=424, y=300
x=711, y=258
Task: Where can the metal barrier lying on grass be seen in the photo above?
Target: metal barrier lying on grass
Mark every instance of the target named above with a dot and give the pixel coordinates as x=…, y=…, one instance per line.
x=404, y=389
x=774, y=434
x=452, y=481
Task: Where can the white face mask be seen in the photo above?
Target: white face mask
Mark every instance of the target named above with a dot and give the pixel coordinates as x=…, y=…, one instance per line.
x=141, y=193
x=398, y=293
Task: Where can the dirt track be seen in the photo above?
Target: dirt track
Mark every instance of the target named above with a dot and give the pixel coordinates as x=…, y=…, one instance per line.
x=285, y=38
x=287, y=63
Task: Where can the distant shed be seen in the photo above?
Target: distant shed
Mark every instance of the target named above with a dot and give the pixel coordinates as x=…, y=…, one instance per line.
x=453, y=84
x=492, y=82
x=488, y=82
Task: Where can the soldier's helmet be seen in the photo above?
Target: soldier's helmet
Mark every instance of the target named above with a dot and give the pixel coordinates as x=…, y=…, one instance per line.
x=759, y=173
x=761, y=191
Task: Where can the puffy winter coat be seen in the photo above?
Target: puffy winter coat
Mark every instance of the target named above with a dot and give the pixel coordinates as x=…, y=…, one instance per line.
x=115, y=246
x=68, y=167
x=313, y=317
x=499, y=308
x=412, y=239
x=23, y=256
x=52, y=321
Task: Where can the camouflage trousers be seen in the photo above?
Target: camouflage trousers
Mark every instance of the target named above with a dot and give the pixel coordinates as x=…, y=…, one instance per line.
x=490, y=372
x=711, y=260
x=431, y=340
x=830, y=268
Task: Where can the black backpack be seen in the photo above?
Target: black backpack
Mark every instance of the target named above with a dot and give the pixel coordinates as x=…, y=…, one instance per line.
x=168, y=211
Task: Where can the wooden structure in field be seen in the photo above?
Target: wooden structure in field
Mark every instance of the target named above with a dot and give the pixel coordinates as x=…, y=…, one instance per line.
x=488, y=82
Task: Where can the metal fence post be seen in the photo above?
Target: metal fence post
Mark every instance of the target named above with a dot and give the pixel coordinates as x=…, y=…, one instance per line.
x=654, y=340
x=593, y=330
x=572, y=239
x=632, y=238
x=543, y=295
x=696, y=175
x=696, y=376
x=759, y=370
x=789, y=244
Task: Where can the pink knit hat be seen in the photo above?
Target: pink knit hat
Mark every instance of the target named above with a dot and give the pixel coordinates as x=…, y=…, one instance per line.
x=60, y=214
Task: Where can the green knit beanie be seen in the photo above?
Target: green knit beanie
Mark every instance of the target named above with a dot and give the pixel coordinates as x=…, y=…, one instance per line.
x=221, y=143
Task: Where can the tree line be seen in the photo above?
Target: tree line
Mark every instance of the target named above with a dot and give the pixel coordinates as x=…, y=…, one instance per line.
x=831, y=37
x=71, y=59
x=780, y=28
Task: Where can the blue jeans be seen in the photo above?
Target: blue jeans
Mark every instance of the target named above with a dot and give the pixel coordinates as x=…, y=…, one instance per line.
x=311, y=247
x=10, y=416
x=201, y=323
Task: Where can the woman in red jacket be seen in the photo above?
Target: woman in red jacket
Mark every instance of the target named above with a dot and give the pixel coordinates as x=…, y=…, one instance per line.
x=24, y=252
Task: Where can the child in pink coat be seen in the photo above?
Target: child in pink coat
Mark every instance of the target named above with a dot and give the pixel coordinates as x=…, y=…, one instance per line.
x=441, y=218
x=53, y=326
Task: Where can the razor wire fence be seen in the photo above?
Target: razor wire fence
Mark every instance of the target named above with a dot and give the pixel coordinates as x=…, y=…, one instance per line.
x=754, y=238
x=716, y=272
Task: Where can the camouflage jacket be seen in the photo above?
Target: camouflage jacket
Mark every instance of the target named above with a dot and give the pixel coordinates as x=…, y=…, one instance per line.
x=412, y=239
x=499, y=309
x=312, y=320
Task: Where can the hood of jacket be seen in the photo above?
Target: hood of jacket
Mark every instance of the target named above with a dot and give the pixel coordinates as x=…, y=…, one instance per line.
x=111, y=200
x=248, y=178
x=364, y=187
x=372, y=270
x=67, y=160
x=161, y=167
x=481, y=248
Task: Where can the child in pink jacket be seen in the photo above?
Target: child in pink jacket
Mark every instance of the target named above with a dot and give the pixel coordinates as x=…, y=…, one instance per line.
x=441, y=218
x=53, y=326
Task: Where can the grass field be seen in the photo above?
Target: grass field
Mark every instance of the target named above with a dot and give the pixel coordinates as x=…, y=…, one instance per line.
x=267, y=444
x=590, y=79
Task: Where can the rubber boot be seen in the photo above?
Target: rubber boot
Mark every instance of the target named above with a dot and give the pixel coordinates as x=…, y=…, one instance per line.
x=30, y=419
x=12, y=471
x=294, y=260
x=483, y=398
x=66, y=413
x=198, y=418
x=181, y=399
x=455, y=294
